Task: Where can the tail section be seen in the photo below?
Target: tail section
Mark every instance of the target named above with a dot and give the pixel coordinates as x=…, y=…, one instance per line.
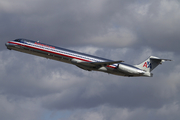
x=151, y=63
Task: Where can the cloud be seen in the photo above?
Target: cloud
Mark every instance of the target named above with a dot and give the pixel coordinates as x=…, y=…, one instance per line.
x=118, y=30
x=105, y=112
x=34, y=78
x=19, y=109
x=113, y=23
x=115, y=38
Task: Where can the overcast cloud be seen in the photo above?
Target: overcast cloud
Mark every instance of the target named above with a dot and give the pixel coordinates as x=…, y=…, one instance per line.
x=34, y=88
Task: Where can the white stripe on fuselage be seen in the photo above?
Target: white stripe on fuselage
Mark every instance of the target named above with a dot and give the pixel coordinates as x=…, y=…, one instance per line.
x=61, y=52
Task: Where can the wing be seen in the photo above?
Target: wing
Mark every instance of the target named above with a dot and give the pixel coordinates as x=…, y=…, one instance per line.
x=94, y=64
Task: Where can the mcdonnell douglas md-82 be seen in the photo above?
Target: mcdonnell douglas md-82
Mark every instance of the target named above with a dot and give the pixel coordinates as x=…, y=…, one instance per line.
x=85, y=61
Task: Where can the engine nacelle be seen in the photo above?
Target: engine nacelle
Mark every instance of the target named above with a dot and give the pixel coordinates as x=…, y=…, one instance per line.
x=130, y=70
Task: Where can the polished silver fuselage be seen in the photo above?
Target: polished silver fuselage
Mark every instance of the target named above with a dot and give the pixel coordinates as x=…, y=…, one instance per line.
x=81, y=60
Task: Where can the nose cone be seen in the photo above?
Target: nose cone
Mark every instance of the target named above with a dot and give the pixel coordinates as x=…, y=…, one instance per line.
x=7, y=44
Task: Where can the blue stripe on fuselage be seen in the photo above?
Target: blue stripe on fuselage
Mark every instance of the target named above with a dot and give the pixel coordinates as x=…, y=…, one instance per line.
x=66, y=52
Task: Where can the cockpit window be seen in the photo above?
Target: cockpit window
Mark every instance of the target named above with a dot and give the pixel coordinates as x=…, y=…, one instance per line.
x=17, y=40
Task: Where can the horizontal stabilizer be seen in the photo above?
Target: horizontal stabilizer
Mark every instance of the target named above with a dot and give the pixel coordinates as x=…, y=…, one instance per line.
x=162, y=60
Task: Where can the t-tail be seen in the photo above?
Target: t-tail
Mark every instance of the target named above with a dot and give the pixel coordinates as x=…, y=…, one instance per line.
x=151, y=63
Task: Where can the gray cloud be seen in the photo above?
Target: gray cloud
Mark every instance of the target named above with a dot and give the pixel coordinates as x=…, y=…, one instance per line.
x=66, y=87
x=120, y=30
x=102, y=23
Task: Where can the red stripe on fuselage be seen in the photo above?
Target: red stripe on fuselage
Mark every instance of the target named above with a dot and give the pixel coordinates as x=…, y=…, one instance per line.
x=54, y=52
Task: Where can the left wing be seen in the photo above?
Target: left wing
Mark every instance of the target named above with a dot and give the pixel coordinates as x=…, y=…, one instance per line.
x=94, y=64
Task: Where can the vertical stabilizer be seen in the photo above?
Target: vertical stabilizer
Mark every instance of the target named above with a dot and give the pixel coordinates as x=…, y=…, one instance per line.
x=151, y=63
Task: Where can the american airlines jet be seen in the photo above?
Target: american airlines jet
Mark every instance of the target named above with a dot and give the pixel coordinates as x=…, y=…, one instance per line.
x=85, y=61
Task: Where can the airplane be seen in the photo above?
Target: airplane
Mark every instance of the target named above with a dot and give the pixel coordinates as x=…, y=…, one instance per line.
x=85, y=61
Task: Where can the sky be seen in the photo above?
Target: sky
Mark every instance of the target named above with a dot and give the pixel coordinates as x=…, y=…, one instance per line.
x=35, y=88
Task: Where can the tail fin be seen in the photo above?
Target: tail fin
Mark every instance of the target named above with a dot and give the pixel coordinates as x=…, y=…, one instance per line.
x=151, y=63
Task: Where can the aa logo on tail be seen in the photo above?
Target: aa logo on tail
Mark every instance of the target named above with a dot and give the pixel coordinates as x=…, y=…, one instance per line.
x=147, y=64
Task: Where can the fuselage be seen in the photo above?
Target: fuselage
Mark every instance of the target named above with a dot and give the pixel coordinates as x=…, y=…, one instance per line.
x=73, y=57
